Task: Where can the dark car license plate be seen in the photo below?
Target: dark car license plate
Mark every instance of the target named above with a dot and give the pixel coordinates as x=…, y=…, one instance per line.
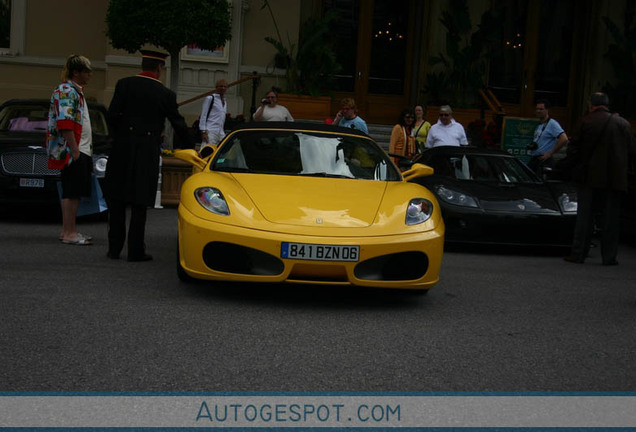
x=31, y=183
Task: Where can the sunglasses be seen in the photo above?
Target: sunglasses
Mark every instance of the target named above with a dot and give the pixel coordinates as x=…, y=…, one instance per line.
x=444, y=115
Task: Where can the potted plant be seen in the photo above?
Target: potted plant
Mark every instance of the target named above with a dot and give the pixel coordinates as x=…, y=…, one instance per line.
x=173, y=173
x=310, y=65
x=459, y=73
x=622, y=56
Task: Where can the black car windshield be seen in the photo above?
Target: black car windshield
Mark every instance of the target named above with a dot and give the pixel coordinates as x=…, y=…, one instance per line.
x=34, y=118
x=490, y=168
x=283, y=152
x=24, y=118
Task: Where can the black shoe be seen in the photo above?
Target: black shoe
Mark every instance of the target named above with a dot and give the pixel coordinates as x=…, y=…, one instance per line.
x=112, y=255
x=572, y=259
x=610, y=263
x=138, y=258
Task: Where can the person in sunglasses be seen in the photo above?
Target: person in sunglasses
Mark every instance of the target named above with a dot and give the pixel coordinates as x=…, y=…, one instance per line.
x=446, y=132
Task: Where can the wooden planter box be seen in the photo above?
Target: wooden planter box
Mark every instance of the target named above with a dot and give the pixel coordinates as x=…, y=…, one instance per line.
x=173, y=173
x=303, y=107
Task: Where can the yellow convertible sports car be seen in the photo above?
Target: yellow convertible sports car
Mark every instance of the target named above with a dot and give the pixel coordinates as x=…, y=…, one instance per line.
x=307, y=203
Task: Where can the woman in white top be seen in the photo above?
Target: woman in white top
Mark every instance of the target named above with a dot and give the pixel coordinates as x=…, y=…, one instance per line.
x=270, y=110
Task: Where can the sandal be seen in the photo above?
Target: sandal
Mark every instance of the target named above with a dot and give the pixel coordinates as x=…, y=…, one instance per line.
x=87, y=237
x=78, y=241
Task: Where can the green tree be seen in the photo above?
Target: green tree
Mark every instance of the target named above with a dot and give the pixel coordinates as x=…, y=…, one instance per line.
x=169, y=24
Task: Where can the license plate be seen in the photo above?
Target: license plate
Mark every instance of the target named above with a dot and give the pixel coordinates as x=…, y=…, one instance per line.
x=319, y=252
x=31, y=183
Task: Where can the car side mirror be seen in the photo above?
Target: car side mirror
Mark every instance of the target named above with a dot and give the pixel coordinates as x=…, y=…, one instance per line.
x=418, y=170
x=192, y=157
x=207, y=150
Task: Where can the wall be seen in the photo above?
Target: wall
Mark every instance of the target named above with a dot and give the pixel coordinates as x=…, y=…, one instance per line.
x=35, y=71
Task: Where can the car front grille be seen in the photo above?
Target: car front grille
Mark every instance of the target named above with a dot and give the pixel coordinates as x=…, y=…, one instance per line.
x=27, y=163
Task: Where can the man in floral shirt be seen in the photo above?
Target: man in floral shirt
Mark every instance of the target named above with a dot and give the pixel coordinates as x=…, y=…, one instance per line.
x=69, y=143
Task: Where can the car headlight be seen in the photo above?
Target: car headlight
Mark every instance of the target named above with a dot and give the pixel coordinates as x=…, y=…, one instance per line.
x=99, y=165
x=212, y=200
x=568, y=202
x=454, y=197
x=418, y=211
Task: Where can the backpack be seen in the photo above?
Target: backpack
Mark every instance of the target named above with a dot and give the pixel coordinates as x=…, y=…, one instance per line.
x=195, y=126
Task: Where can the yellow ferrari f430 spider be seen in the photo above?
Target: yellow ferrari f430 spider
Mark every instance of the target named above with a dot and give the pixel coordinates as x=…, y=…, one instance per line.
x=307, y=203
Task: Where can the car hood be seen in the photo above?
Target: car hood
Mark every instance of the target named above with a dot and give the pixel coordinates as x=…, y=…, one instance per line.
x=21, y=139
x=308, y=201
x=16, y=140
x=505, y=197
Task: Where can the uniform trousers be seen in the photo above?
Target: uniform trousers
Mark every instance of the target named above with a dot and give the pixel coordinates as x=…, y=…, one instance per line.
x=117, y=228
x=590, y=202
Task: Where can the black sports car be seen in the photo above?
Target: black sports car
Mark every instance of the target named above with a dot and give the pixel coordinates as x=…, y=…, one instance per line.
x=490, y=196
x=24, y=175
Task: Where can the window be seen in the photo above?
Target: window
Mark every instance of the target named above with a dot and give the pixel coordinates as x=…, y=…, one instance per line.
x=5, y=25
x=12, y=27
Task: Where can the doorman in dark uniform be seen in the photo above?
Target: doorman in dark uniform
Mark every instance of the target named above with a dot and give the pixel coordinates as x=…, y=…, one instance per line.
x=137, y=116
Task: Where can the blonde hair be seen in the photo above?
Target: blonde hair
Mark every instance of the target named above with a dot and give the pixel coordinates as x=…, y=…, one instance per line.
x=75, y=63
x=348, y=102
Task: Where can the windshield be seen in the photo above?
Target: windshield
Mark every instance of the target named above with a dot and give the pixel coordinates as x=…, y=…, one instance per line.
x=490, y=168
x=24, y=118
x=304, y=154
x=34, y=118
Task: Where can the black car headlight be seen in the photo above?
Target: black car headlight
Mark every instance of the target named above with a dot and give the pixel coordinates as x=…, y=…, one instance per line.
x=418, y=211
x=99, y=165
x=453, y=197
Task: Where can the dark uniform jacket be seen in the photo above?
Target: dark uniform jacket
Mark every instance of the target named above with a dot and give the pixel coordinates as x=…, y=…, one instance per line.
x=604, y=142
x=137, y=116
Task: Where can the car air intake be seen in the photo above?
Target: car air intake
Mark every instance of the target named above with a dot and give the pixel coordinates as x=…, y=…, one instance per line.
x=232, y=258
x=394, y=267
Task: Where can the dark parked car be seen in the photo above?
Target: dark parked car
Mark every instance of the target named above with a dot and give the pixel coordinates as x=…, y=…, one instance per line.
x=24, y=175
x=490, y=196
x=628, y=208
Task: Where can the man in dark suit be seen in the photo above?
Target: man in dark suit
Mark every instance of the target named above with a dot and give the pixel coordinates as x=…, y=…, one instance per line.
x=603, y=144
x=137, y=115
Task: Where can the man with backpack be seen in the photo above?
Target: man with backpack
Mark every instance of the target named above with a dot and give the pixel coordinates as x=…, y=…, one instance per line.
x=213, y=112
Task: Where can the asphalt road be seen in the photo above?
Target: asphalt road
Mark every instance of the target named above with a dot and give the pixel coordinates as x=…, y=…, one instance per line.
x=73, y=320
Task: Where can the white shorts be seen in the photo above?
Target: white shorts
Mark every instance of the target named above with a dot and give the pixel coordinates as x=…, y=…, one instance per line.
x=215, y=136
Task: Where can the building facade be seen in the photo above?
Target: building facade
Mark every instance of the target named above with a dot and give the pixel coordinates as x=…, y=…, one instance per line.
x=392, y=54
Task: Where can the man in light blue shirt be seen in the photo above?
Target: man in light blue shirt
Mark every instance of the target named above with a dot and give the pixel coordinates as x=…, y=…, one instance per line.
x=348, y=117
x=549, y=137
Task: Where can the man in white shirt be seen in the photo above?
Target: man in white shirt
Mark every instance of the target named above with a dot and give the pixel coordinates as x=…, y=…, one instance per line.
x=212, y=120
x=270, y=110
x=446, y=132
